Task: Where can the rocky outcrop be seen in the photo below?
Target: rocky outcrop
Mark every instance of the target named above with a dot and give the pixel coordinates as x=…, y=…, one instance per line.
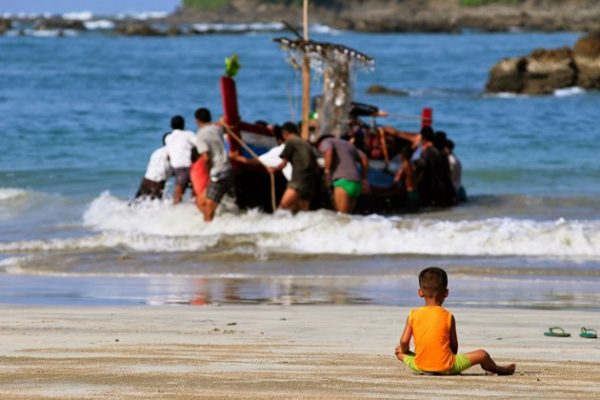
x=135, y=28
x=544, y=71
x=587, y=61
x=548, y=70
x=5, y=25
x=411, y=15
x=383, y=90
x=50, y=24
x=507, y=76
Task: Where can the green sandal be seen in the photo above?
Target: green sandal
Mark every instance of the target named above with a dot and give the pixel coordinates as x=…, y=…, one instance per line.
x=588, y=333
x=556, y=331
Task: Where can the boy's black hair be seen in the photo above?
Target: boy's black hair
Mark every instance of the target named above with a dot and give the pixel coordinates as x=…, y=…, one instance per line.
x=277, y=134
x=433, y=281
x=428, y=134
x=450, y=144
x=203, y=115
x=440, y=140
x=290, y=127
x=177, y=122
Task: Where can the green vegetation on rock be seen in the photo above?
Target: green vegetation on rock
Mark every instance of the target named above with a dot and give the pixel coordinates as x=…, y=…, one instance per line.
x=205, y=4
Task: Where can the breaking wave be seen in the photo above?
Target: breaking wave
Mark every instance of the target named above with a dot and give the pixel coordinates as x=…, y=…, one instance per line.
x=160, y=227
x=11, y=193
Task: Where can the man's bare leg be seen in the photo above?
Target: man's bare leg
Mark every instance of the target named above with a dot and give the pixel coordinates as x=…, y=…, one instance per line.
x=290, y=199
x=200, y=201
x=178, y=194
x=482, y=358
x=209, y=208
x=341, y=201
x=303, y=205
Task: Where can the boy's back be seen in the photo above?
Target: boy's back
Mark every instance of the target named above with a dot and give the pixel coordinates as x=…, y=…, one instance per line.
x=431, y=326
x=434, y=332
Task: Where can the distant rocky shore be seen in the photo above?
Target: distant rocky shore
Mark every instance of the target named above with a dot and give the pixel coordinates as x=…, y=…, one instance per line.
x=546, y=70
x=364, y=15
x=417, y=15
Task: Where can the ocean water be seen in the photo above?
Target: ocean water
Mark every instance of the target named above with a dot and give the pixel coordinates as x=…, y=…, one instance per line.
x=81, y=114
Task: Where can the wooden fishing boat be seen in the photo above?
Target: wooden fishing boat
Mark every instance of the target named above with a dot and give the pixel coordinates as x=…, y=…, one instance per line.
x=256, y=189
x=253, y=184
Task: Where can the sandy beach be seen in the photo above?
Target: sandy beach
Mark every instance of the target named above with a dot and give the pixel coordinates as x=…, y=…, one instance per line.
x=297, y=352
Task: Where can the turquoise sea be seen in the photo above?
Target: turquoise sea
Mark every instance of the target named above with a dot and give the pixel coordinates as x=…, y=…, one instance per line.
x=80, y=115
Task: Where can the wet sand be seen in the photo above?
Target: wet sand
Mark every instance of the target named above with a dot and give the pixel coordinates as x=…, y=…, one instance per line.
x=298, y=352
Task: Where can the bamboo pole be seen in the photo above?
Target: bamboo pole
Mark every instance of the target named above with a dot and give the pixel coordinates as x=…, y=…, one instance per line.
x=305, y=79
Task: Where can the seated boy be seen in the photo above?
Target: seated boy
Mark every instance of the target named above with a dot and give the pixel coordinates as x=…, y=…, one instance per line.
x=434, y=332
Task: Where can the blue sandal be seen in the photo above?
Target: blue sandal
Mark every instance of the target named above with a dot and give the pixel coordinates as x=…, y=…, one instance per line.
x=556, y=331
x=588, y=333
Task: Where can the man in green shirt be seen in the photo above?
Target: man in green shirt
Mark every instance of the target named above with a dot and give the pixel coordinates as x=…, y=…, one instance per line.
x=305, y=170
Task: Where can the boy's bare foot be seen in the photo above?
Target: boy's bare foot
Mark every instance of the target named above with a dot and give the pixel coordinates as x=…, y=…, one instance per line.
x=506, y=369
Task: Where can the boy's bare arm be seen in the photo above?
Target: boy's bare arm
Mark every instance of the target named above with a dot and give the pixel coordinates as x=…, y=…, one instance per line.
x=404, y=346
x=453, y=337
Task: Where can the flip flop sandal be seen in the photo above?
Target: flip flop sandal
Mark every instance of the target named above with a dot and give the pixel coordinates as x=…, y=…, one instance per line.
x=588, y=333
x=556, y=331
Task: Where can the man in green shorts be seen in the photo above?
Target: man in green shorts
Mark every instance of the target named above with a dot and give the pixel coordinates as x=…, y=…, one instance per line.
x=341, y=170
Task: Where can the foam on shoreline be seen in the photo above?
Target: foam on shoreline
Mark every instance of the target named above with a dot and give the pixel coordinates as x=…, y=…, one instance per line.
x=160, y=227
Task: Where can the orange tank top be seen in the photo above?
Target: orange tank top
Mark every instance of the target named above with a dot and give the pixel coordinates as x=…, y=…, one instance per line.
x=431, y=333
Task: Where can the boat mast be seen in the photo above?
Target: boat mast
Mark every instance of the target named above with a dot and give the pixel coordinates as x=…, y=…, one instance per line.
x=305, y=79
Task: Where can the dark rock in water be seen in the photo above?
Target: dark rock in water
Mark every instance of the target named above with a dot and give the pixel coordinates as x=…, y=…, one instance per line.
x=507, y=76
x=548, y=70
x=173, y=30
x=542, y=72
x=138, y=29
x=587, y=60
x=58, y=24
x=5, y=24
x=431, y=24
x=379, y=89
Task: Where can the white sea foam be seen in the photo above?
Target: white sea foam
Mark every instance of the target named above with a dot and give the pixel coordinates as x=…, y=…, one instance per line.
x=324, y=29
x=507, y=95
x=571, y=91
x=238, y=28
x=12, y=265
x=79, y=16
x=565, y=92
x=160, y=227
x=102, y=24
x=144, y=15
x=11, y=193
x=49, y=33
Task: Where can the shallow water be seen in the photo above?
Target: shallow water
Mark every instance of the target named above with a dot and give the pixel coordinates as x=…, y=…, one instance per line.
x=82, y=114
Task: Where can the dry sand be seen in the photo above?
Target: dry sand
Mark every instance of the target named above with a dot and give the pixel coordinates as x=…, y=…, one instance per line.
x=264, y=352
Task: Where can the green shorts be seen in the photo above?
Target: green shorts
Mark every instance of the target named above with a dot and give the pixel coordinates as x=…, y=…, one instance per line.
x=353, y=188
x=461, y=363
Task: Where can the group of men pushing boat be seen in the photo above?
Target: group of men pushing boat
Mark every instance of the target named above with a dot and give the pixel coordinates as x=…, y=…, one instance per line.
x=428, y=173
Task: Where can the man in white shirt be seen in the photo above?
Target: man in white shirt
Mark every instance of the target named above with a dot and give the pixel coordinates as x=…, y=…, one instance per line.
x=180, y=144
x=157, y=173
x=211, y=148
